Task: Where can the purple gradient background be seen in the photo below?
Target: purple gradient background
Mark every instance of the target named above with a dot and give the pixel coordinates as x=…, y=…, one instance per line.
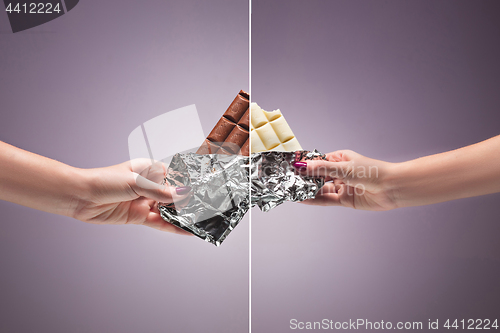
x=393, y=80
x=73, y=89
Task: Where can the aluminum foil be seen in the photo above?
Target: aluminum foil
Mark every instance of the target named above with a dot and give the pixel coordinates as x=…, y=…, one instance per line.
x=219, y=198
x=275, y=180
x=220, y=186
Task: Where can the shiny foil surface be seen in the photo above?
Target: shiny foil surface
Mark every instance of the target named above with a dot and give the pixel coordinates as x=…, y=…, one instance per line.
x=220, y=188
x=219, y=198
x=275, y=180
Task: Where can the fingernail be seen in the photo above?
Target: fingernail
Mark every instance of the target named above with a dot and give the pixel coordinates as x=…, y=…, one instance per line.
x=183, y=190
x=300, y=165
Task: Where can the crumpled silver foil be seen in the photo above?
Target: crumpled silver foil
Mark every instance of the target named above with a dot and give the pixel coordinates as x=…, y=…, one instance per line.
x=275, y=180
x=219, y=197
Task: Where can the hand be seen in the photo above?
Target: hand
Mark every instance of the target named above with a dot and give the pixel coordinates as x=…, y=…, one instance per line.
x=352, y=180
x=120, y=195
x=112, y=195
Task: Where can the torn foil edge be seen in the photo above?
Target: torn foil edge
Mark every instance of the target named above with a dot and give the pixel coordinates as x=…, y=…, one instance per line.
x=198, y=171
x=274, y=180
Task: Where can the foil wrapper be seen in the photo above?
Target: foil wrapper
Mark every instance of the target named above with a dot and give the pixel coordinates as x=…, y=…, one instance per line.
x=220, y=188
x=275, y=180
x=219, y=197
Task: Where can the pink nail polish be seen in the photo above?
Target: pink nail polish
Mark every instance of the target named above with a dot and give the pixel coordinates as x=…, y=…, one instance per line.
x=302, y=166
x=183, y=190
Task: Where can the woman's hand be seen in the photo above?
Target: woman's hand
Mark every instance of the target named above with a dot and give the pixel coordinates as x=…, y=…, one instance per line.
x=364, y=183
x=352, y=180
x=120, y=195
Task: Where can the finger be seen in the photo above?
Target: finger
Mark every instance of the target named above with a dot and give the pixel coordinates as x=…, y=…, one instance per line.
x=178, y=204
x=153, y=204
x=155, y=172
x=346, y=195
x=181, y=203
x=150, y=169
x=322, y=168
x=341, y=155
x=337, y=181
x=154, y=220
x=341, y=195
x=167, y=194
x=327, y=188
x=144, y=166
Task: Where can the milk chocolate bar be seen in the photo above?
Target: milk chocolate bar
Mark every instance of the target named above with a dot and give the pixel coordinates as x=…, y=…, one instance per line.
x=231, y=133
x=270, y=131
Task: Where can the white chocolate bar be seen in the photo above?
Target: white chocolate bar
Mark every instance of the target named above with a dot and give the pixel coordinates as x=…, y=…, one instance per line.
x=269, y=131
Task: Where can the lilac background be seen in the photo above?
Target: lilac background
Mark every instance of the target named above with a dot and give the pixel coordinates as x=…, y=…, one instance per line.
x=73, y=89
x=393, y=80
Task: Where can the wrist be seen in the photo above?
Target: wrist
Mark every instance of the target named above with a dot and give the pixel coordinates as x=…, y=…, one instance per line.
x=79, y=190
x=394, y=182
x=413, y=183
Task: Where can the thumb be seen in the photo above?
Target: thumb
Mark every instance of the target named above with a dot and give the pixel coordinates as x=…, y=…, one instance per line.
x=162, y=193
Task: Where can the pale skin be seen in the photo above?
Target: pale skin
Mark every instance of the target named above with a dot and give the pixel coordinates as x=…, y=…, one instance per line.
x=110, y=195
x=116, y=195
x=466, y=172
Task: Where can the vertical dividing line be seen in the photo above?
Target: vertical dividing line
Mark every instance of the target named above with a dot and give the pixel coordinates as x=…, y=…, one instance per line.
x=250, y=183
x=64, y=6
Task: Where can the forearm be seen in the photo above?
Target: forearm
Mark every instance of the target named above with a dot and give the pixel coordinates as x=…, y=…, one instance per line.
x=38, y=182
x=466, y=172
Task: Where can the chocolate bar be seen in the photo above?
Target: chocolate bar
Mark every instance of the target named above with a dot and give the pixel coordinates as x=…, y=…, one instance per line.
x=230, y=135
x=270, y=131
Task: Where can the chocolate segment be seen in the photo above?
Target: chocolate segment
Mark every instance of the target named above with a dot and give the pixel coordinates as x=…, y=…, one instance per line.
x=221, y=130
x=244, y=94
x=245, y=120
x=271, y=132
x=238, y=135
x=231, y=131
x=237, y=108
x=208, y=148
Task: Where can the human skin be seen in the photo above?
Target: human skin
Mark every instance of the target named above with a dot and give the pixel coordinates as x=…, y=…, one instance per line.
x=112, y=195
x=363, y=183
x=119, y=195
